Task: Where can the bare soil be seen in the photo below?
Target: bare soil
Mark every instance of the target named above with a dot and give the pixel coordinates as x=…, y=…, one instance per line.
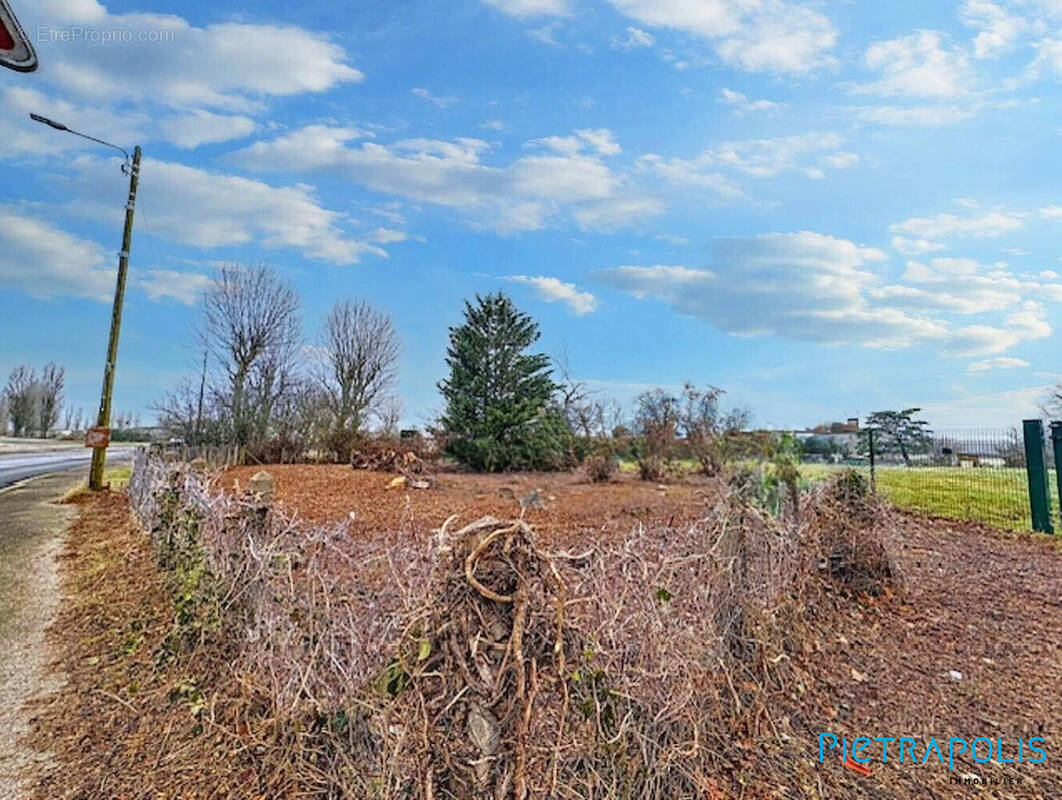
x=984, y=604
x=571, y=504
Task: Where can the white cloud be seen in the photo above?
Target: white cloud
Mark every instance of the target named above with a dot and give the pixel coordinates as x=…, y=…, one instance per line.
x=230, y=65
x=600, y=140
x=996, y=363
x=914, y=116
x=567, y=145
x=943, y=226
x=918, y=65
x=546, y=34
x=184, y=287
x=805, y=286
x=1051, y=212
x=841, y=160
x=617, y=211
x=915, y=247
x=998, y=29
x=976, y=340
x=554, y=290
x=46, y=261
x=690, y=172
x=767, y=35
x=670, y=238
x=818, y=288
x=493, y=125
x=1049, y=54
x=530, y=8
x=997, y=409
x=207, y=210
x=744, y=104
x=524, y=194
x=193, y=128
x=439, y=102
x=388, y=236
x=636, y=37
x=760, y=158
x=187, y=128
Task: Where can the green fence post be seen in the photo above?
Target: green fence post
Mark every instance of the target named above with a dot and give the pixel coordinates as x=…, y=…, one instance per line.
x=1056, y=442
x=873, y=477
x=1039, y=501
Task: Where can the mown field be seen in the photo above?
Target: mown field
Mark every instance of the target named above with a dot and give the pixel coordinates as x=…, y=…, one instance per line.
x=996, y=497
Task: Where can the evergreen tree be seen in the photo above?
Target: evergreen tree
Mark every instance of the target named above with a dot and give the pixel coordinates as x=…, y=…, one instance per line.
x=499, y=414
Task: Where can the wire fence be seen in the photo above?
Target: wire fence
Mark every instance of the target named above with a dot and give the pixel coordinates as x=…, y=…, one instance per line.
x=978, y=475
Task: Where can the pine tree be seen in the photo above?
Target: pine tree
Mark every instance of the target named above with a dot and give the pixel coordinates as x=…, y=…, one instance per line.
x=498, y=397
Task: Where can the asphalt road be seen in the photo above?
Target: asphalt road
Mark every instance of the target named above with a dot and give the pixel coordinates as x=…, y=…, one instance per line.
x=20, y=466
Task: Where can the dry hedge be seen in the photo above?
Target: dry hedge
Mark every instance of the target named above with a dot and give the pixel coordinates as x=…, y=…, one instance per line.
x=478, y=665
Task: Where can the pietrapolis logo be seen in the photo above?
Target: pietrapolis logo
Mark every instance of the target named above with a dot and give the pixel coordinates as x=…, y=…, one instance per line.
x=863, y=751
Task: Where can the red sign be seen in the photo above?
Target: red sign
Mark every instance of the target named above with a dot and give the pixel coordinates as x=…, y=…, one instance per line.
x=98, y=437
x=16, y=50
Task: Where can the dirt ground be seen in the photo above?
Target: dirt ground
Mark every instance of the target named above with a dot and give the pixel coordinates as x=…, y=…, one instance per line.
x=572, y=504
x=984, y=604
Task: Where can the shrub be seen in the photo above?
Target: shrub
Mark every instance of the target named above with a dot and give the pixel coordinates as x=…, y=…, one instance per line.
x=653, y=468
x=600, y=468
x=657, y=422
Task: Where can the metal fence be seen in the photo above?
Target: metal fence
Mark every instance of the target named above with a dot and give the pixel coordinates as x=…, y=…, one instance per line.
x=976, y=475
x=982, y=475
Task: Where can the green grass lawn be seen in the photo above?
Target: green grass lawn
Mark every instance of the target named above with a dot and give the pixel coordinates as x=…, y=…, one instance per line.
x=996, y=497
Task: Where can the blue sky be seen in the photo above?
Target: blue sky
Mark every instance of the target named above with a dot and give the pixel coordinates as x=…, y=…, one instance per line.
x=827, y=208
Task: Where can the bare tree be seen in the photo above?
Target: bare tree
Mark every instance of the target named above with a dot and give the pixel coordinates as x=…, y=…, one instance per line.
x=271, y=384
x=251, y=325
x=4, y=416
x=707, y=427
x=1052, y=402
x=49, y=397
x=656, y=420
x=183, y=414
x=361, y=350
x=21, y=395
x=584, y=413
x=388, y=415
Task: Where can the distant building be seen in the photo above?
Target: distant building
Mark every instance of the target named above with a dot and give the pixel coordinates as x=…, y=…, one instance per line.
x=831, y=441
x=849, y=426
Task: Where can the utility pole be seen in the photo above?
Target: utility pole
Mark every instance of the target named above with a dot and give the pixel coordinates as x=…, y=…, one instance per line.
x=103, y=420
x=100, y=437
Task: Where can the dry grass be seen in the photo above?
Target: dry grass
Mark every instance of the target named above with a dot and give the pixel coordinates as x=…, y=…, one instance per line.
x=121, y=727
x=480, y=664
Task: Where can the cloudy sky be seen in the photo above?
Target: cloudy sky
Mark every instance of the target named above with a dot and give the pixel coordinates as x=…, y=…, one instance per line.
x=826, y=207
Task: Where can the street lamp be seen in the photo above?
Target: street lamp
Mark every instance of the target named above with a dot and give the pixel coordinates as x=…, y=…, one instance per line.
x=99, y=438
